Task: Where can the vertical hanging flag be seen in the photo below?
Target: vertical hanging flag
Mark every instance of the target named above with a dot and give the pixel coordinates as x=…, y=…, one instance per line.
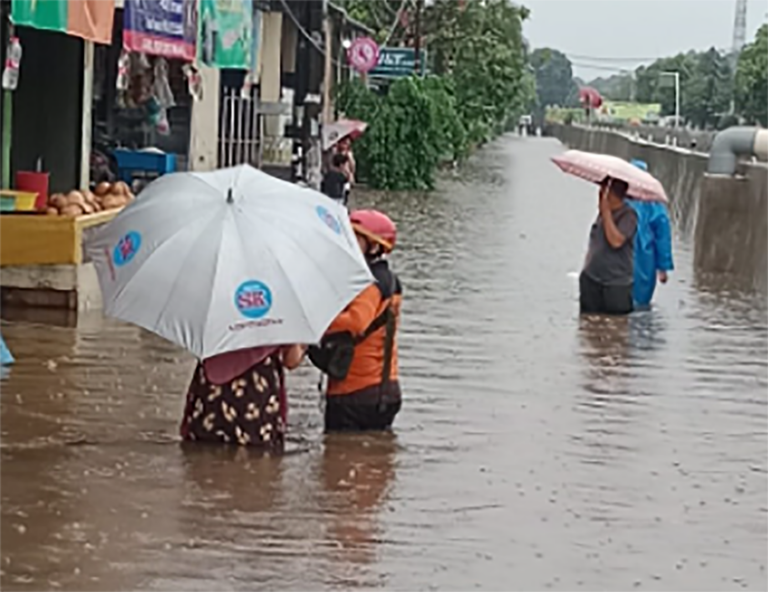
x=87, y=19
x=165, y=28
x=225, y=33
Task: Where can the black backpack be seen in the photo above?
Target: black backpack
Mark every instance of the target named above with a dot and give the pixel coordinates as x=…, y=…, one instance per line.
x=336, y=351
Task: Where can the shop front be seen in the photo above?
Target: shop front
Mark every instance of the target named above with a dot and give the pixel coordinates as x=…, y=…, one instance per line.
x=46, y=144
x=143, y=93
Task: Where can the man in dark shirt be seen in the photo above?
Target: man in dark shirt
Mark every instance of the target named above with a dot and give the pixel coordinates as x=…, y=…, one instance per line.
x=335, y=182
x=605, y=283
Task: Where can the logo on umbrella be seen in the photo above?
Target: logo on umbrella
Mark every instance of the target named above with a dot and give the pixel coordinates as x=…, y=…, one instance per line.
x=329, y=219
x=126, y=248
x=253, y=299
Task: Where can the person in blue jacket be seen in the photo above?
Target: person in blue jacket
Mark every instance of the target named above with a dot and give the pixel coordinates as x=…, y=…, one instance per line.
x=653, y=246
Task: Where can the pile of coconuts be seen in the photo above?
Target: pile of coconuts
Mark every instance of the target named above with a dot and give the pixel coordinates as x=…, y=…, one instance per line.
x=106, y=196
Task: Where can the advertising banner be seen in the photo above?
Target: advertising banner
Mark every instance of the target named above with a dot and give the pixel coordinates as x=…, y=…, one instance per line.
x=226, y=31
x=87, y=19
x=165, y=28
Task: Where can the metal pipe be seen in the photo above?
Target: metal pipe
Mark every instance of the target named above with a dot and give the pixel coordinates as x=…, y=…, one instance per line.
x=733, y=142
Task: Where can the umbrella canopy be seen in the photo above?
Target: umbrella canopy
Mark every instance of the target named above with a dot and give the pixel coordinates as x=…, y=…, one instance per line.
x=596, y=167
x=228, y=260
x=334, y=133
x=590, y=97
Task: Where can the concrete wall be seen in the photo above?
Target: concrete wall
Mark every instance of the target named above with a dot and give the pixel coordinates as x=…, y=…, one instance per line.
x=725, y=217
x=204, y=125
x=701, y=140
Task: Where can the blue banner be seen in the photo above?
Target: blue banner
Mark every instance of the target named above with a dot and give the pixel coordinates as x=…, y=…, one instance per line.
x=165, y=28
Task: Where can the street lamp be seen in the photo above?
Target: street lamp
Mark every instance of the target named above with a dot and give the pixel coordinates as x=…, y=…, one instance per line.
x=676, y=75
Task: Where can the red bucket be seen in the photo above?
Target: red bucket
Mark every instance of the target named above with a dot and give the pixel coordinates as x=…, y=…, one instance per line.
x=34, y=183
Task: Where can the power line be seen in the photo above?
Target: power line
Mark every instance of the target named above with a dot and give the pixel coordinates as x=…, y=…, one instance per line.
x=601, y=67
x=606, y=59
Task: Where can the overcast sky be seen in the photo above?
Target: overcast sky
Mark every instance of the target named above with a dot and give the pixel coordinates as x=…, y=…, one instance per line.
x=600, y=29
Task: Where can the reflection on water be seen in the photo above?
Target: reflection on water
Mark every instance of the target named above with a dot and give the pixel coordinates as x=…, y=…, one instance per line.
x=536, y=449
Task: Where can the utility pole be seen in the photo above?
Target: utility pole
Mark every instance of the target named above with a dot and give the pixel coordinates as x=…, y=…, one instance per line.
x=676, y=75
x=417, y=41
x=328, y=74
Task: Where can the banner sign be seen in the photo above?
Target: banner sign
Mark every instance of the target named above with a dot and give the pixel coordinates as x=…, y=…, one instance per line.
x=88, y=19
x=398, y=62
x=226, y=31
x=165, y=28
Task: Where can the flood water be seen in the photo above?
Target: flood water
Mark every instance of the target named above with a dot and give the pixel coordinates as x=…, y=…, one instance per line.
x=535, y=449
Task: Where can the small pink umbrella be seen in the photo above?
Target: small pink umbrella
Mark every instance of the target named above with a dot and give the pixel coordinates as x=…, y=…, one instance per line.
x=590, y=97
x=338, y=130
x=596, y=167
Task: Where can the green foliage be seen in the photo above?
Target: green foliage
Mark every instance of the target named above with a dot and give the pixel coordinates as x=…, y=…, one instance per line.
x=554, y=78
x=705, y=86
x=479, y=46
x=411, y=129
x=479, y=83
x=752, y=79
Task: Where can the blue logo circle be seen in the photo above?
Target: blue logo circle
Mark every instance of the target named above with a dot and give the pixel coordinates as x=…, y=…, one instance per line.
x=126, y=248
x=329, y=219
x=253, y=299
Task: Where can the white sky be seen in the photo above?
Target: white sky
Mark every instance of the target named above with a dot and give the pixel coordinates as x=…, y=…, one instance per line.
x=633, y=29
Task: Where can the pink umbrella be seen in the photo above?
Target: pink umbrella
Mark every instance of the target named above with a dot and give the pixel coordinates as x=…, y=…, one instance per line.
x=590, y=97
x=335, y=132
x=596, y=167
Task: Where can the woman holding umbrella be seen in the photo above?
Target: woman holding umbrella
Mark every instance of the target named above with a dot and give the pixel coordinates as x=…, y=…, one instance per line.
x=232, y=266
x=240, y=397
x=606, y=282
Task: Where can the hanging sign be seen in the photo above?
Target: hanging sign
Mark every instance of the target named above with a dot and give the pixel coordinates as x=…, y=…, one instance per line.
x=363, y=54
x=398, y=62
x=166, y=28
x=87, y=19
x=225, y=33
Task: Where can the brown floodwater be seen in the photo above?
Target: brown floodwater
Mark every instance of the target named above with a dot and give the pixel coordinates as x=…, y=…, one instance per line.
x=535, y=449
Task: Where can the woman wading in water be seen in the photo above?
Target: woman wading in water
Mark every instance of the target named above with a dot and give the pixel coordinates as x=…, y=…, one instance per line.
x=239, y=398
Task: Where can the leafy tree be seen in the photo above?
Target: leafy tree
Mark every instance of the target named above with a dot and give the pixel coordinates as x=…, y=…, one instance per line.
x=752, y=79
x=412, y=128
x=617, y=87
x=708, y=91
x=554, y=77
x=705, y=86
x=479, y=45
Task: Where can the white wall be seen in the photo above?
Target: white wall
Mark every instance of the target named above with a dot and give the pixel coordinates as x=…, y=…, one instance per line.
x=204, y=126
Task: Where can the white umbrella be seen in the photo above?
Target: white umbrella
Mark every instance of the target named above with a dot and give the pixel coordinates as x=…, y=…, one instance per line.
x=227, y=260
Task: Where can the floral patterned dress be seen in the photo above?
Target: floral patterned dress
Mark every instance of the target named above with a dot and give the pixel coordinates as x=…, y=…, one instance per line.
x=249, y=410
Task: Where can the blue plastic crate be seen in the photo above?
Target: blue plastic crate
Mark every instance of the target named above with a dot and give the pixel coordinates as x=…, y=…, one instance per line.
x=132, y=163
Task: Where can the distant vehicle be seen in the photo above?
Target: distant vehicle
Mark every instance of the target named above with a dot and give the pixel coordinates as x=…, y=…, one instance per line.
x=525, y=125
x=669, y=121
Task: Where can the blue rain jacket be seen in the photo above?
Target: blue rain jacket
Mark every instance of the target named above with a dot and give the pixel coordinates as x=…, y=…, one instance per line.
x=653, y=248
x=5, y=353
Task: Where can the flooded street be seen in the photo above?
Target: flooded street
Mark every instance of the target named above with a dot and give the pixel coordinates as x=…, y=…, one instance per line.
x=535, y=449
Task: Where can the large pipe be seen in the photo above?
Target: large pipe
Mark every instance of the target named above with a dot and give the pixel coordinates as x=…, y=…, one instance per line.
x=733, y=142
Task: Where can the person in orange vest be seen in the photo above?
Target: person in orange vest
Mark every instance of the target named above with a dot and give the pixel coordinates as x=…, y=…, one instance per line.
x=359, y=350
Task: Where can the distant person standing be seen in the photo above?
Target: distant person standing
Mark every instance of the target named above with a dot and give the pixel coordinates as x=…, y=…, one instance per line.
x=605, y=283
x=653, y=246
x=350, y=168
x=335, y=182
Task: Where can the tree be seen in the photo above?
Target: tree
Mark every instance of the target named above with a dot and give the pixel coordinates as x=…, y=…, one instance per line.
x=617, y=87
x=751, y=84
x=479, y=45
x=705, y=86
x=554, y=77
x=709, y=89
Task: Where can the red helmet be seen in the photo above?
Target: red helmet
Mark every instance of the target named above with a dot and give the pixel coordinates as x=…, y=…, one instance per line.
x=375, y=226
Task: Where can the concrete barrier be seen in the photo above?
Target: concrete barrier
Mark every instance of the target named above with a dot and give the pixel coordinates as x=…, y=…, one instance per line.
x=725, y=217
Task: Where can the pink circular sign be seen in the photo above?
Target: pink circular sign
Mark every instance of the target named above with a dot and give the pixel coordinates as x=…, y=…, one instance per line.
x=363, y=54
